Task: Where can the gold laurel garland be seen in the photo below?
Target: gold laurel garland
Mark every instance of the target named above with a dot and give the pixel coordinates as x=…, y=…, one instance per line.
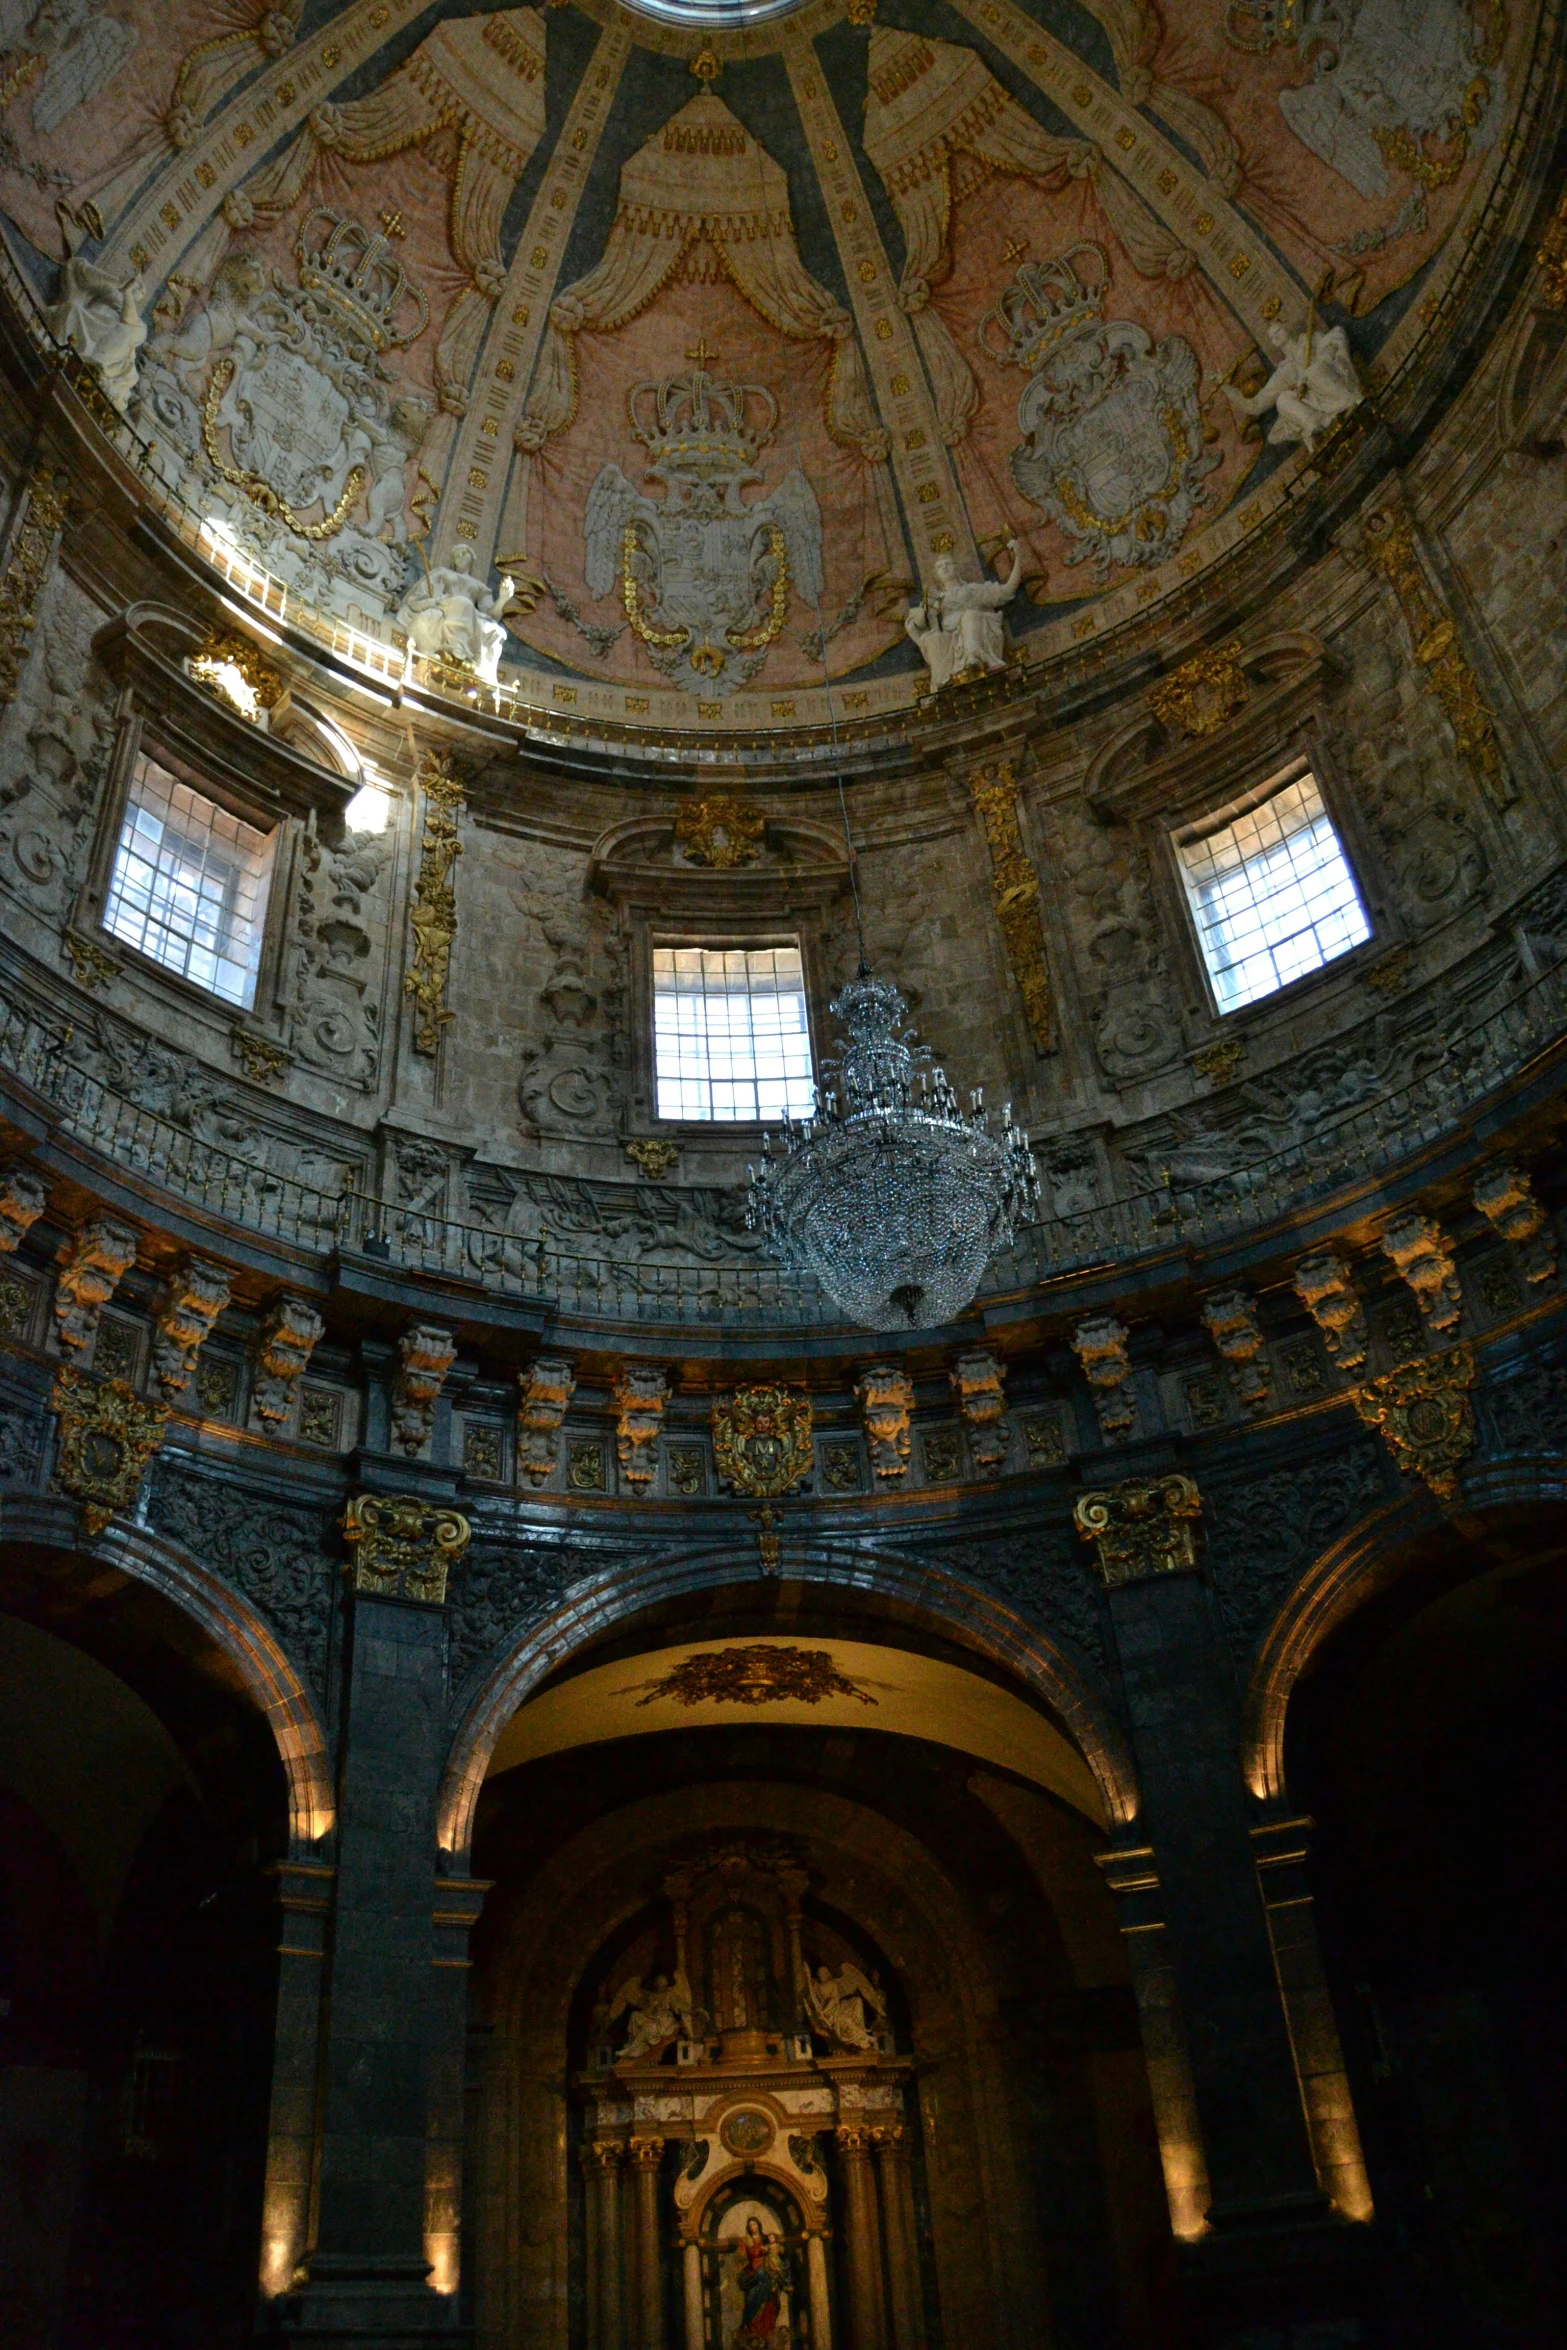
x=261, y=493
x=754, y=640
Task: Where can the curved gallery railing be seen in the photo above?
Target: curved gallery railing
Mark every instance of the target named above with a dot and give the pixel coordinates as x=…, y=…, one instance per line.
x=1371, y=1139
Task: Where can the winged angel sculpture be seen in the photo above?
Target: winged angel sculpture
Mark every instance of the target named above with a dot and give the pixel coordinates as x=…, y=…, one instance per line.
x=705, y=580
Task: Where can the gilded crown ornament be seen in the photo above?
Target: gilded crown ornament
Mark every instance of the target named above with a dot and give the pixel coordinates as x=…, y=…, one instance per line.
x=892, y=1195
x=1044, y=303
x=356, y=270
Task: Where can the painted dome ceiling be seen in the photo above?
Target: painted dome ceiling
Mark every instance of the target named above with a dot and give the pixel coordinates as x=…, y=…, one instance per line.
x=711, y=336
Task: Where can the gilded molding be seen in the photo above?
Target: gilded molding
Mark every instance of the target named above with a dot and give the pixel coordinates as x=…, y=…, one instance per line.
x=225, y=650
x=433, y=917
x=28, y=557
x=1433, y=632
x=1202, y=696
x=94, y=965
x=107, y=1437
x=720, y=831
x=1143, y=1528
x=762, y=1440
x=1015, y=889
x=402, y=1548
x=260, y=1059
x=1423, y=1414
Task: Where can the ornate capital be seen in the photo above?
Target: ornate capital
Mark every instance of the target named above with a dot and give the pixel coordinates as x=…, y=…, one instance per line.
x=107, y=1437
x=646, y=2153
x=854, y=2141
x=603, y=2155
x=402, y=1547
x=1423, y=1413
x=1143, y=1528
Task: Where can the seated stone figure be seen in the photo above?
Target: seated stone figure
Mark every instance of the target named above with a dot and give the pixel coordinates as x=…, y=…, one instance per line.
x=958, y=628
x=100, y=319
x=450, y=614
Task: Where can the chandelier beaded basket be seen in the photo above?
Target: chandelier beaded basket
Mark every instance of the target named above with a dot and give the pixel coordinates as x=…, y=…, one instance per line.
x=892, y=1195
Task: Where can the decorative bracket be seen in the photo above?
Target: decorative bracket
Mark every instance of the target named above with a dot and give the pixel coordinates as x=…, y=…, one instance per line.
x=425, y=1354
x=1324, y=1287
x=886, y=1399
x=640, y=1394
x=977, y=1382
x=547, y=1388
x=92, y=1262
x=1100, y=1346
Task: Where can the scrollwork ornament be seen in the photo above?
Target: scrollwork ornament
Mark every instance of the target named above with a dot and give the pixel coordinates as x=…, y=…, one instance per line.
x=108, y=1434
x=1423, y=1413
x=1015, y=892
x=720, y=831
x=403, y=1548
x=433, y=918
x=1202, y=696
x=762, y=1440
x=1143, y=1528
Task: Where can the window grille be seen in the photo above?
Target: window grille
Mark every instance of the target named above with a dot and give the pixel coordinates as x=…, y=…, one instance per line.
x=731, y=1040
x=189, y=886
x=1271, y=893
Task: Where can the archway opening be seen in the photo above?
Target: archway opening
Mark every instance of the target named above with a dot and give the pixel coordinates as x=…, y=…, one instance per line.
x=802, y=1922
x=1426, y=1739
x=142, y=1801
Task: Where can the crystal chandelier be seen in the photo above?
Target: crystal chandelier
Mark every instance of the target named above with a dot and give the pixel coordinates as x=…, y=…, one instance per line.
x=891, y=1194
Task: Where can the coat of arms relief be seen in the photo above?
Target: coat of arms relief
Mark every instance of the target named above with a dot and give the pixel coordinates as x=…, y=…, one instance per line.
x=703, y=578
x=273, y=405
x=1114, y=448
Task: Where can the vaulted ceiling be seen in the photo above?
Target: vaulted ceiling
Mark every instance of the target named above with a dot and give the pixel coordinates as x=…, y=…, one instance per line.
x=713, y=341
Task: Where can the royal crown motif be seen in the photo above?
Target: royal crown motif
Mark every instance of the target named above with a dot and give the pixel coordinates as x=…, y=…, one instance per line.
x=700, y=428
x=359, y=274
x=1045, y=302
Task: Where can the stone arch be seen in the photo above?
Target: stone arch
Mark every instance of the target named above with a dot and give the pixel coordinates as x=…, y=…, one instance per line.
x=949, y=1605
x=578, y=1899
x=1348, y=1575
x=269, y=1677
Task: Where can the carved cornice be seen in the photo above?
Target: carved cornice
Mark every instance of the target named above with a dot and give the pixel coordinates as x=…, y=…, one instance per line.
x=108, y=1434
x=402, y=1547
x=1423, y=1413
x=1143, y=1528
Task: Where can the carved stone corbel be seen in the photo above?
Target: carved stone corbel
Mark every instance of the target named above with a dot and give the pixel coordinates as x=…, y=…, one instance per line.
x=1424, y=1415
x=885, y=1396
x=1100, y=1346
x=547, y=1388
x=1230, y=1318
x=284, y=1345
x=977, y=1383
x=1505, y=1197
x=91, y=1264
x=1420, y=1249
x=1143, y=1528
x=640, y=1394
x=193, y=1297
x=107, y=1437
x=1325, y=1289
x=23, y=1198
x=425, y=1354
x=402, y=1547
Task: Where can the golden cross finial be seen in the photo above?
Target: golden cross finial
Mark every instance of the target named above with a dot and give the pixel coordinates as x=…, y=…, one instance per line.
x=393, y=222
x=707, y=65
x=700, y=352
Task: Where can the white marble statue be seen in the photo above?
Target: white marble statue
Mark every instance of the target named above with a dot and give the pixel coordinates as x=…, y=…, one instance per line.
x=448, y=612
x=958, y=628
x=840, y=2006
x=660, y=2010
x=99, y=318
x=1313, y=382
